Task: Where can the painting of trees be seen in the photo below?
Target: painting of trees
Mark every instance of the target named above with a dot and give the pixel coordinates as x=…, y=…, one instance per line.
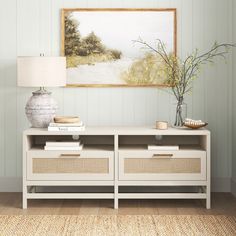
x=72, y=36
x=100, y=50
x=85, y=50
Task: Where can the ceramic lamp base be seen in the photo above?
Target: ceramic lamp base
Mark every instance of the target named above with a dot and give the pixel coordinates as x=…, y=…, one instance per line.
x=41, y=109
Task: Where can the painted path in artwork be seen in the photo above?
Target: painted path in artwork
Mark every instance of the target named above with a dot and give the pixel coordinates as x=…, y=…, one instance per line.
x=100, y=73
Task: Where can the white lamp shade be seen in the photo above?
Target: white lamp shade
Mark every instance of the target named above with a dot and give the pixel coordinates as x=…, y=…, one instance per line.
x=41, y=71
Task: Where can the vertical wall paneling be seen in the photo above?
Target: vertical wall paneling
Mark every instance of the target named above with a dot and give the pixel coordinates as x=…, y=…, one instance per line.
x=69, y=102
x=2, y=92
x=34, y=27
x=117, y=101
x=234, y=97
x=187, y=42
x=93, y=107
x=230, y=92
x=69, y=94
x=10, y=120
x=104, y=111
x=210, y=32
x=45, y=28
x=54, y=22
x=128, y=106
x=163, y=98
x=140, y=106
x=198, y=39
x=81, y=104
x=151, y=106
x=8, y=61
x=2, y=115
x=10, y=108
x=222, y=114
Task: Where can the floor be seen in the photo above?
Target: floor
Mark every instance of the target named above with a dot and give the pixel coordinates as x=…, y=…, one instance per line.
x=222, y=204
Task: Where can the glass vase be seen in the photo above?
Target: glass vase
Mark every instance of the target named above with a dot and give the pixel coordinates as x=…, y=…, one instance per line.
x=179, y=112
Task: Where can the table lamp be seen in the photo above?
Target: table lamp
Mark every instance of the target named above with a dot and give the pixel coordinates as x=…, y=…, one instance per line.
x=41, y=72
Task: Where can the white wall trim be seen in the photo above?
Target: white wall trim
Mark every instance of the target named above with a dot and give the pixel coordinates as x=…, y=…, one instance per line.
x=233, y=187
x=14, y=184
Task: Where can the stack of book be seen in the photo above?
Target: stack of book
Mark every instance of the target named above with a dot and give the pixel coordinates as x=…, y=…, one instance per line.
x=63, y=146
x=163, y=147
x=66, y=127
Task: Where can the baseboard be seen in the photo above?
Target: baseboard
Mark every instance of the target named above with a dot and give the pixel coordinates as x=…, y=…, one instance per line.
x=10, y=184
x=14, y=184
x=233, y=187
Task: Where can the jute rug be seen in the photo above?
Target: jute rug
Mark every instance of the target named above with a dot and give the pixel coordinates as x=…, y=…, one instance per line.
x=117, y=225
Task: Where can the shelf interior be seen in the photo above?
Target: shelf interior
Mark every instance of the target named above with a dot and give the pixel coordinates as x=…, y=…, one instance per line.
x=126, y=142
x=141, y=142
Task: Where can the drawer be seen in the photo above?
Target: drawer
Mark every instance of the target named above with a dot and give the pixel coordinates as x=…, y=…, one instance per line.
x=59, y=165
x=162, y=165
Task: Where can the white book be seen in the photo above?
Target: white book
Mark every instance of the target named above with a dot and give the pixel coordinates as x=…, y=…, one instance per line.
x=70, y=129
x=79, y=148
x=62, y=143
x=163, y=147
x=79, y=124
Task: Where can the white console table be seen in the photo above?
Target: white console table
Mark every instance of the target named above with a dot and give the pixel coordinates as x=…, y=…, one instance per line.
x=117, y=161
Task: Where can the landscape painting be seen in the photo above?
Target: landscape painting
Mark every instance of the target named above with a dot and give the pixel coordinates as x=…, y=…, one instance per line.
x=102, y=46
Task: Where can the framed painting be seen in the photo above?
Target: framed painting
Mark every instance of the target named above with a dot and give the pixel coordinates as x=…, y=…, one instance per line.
x=102, y=50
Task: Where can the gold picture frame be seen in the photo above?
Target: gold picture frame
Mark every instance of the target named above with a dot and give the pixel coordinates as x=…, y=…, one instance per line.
x=97, y=12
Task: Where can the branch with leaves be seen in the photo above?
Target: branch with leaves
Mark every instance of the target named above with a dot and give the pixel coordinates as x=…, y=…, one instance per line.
x=179, y=73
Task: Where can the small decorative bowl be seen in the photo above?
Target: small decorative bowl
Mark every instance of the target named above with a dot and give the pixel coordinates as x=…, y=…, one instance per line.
x=162, y=125
x=66, y=119
x=194, y=126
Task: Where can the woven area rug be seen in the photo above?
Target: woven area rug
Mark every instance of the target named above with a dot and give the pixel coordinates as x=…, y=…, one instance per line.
x=117, y=225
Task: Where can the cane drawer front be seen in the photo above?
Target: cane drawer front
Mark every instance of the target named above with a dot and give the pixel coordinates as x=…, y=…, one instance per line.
x=163, y=165
x=57, y=165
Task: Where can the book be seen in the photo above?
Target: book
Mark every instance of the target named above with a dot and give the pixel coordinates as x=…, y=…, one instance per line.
x=62, y=143
x=65, y=128
x=79, y=148
x=78, y=124
x=163, y=147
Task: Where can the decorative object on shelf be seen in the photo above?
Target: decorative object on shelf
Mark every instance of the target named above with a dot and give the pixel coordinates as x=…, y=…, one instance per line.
x=162, y=125
x=194, y=124
x=41, y=72
x=66, y=119
x=179, y=111
x=63, y=146
x=54, y=124
x=180, y=73
x=98, y=56
x=79, y=126
x=61, y=143
x=163, y=147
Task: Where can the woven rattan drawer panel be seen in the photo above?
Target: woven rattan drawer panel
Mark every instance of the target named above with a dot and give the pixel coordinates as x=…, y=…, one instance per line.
x=139, y=165
x=71, y=165
x=162, y=165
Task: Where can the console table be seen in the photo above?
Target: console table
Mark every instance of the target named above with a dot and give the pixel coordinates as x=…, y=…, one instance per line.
x=115, y=163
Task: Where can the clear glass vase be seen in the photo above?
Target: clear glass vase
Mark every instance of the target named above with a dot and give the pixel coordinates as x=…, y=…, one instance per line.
x=179, y=113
